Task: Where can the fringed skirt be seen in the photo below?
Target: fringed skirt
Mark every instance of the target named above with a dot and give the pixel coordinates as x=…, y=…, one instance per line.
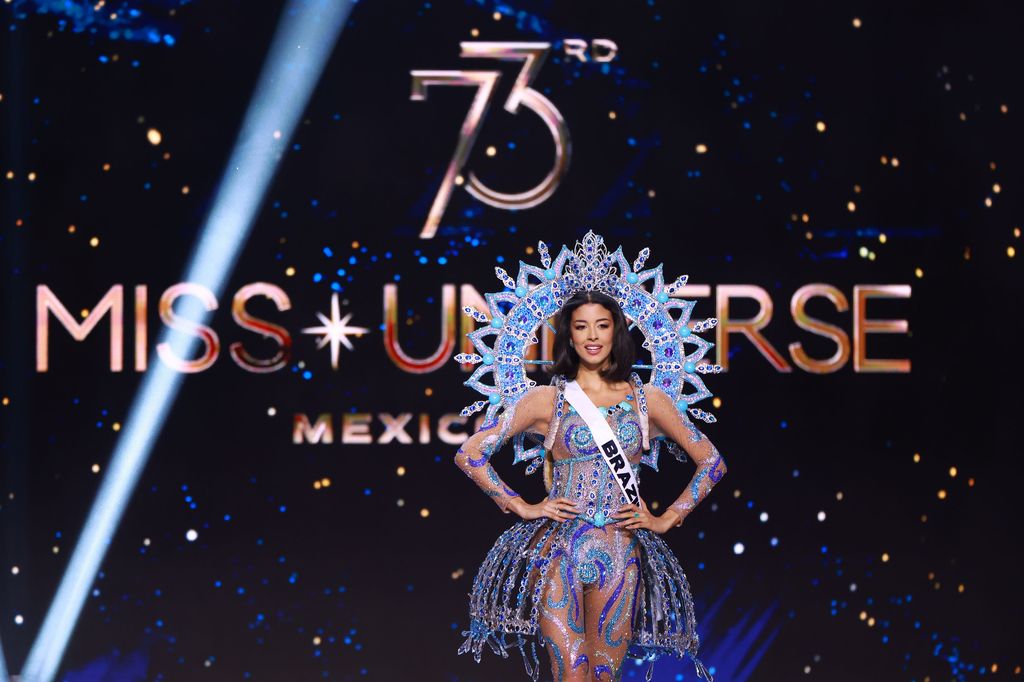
x=505, y=602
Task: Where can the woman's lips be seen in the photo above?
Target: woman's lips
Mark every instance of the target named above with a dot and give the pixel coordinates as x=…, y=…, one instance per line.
x=592, y=350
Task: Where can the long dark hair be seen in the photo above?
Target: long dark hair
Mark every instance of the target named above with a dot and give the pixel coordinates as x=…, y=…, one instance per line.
x=567, y=361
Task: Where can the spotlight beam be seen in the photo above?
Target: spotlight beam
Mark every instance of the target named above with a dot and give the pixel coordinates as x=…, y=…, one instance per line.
x=3, y=666
x=303, y=41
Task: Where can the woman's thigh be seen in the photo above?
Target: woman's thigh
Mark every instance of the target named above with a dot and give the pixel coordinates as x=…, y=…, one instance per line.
x=562, y=622
x=609, y=617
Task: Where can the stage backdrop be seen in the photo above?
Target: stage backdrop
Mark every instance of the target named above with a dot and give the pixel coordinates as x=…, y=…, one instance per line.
x=838, y=181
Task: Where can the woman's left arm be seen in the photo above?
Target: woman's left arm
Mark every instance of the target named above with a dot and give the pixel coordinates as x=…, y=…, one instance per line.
x=665, y=418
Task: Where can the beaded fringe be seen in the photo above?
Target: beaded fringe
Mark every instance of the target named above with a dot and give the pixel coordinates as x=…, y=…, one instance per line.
x=508, y=587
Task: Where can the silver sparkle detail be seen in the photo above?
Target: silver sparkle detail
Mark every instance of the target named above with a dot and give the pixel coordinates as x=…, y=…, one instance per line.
x=334, y=331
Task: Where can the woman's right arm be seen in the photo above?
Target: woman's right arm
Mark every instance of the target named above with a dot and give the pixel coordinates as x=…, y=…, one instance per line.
x=531, y=413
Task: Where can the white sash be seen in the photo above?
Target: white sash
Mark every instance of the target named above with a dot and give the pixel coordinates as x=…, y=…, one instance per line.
x=606, y=441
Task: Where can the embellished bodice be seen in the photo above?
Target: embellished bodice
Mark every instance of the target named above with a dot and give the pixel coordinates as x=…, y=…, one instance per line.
x=580, y=472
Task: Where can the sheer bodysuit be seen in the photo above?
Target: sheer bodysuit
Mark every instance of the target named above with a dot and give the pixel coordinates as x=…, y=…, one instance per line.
x=588, y=590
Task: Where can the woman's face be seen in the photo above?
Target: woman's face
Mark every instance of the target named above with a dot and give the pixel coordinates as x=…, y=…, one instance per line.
x=592, y=330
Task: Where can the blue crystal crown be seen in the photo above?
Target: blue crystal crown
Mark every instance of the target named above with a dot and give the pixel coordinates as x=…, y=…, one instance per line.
x=538, y=293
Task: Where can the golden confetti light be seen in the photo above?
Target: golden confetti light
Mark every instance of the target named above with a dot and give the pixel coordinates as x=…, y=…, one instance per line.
x=5, y=401
x=325, y=482
x=1016, y=232
x=839, y=496
x=612, y=115
x=952, y=472
x=497, y=16
x=885, y=160
x=808, y=235
x=94, y=242
x=106, y=167
x=271, y=411
x=701, y=148
x=856, y=189
x=806, y=217
x=924, y=518
x=71, y=229
x=185, y=189
x=863, y=615
x=1010, y=251
x=10, y=175
x=967, y=253
x=963, y=116
x=154, y=136
x=941, y=494
x=736, y=493
x=355, y=245
x=31, y=176
x=871, y=255
x=428, y=391
x=856, y=22
x=970, y=482
x=997, y=188
x=529, y=250
x=863, y=252
x=424, y=513
x=492, y=150
x=820, y=126
x=400, y=502
x=960, y=588
x=655, y=505
x=316, y=485
x=917, y=457
x=988, y=202
x=167, y=156
x=316, y=641
x=289, y=271
x=871, y=622
x=885, y=557
x=457, y=573
x=459, y=180
x=850, y=206
x=116, y=426
x=918, y=272
x=475, y=32
x=95, y=468
x=400, y=471
x=895, y=162
x=716, y=402
x=84, y=312
x=882, y=238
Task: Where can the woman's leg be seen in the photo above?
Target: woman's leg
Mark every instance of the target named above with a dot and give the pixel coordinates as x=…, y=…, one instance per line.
x=561, y=621
x=609, y=621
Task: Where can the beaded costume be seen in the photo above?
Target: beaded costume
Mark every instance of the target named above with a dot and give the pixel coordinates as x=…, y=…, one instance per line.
x=590, y=592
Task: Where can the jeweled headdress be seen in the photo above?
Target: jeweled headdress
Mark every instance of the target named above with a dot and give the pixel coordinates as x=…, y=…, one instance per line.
x=537, y=294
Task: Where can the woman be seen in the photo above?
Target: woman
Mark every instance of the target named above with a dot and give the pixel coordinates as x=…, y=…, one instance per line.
x=585, y=571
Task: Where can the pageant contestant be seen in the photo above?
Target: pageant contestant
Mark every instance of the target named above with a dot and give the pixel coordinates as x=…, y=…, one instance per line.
x=585, y=573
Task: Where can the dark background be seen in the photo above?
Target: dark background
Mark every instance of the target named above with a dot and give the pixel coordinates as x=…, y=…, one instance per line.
x=384, y=588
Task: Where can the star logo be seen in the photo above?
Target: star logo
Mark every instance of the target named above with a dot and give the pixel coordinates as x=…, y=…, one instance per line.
x=334, y=331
